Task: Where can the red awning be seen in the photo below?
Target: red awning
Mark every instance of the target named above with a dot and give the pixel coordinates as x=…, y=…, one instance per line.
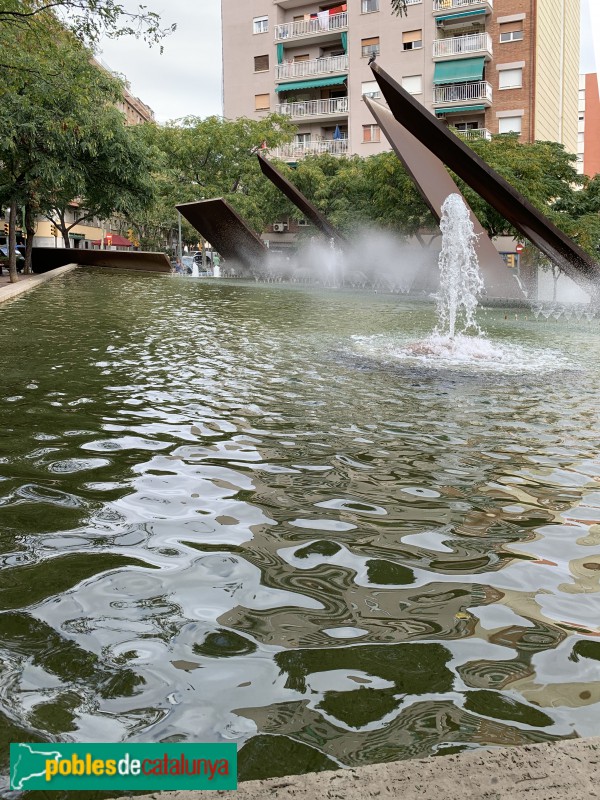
x=117, y=241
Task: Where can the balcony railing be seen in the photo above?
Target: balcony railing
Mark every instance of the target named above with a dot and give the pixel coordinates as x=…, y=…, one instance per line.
x=314, y=108
x=453, y=5
x=317, y=66
x=463, y=93
x=296, y=150
x=324, y=23
x=459, y=45
x=474, y=133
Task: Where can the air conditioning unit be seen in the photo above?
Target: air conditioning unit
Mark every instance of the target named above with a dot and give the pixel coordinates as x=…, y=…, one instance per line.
x=279, y=227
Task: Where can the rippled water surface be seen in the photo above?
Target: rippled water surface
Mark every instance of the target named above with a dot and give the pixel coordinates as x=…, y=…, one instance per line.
x=231, y=512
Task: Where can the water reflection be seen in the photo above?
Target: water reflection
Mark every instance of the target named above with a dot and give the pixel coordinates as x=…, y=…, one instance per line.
x=233, y=523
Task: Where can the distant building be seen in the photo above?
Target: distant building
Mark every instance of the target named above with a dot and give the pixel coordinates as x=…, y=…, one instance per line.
x=485, y=66
x=588, y=146
x=136, y=112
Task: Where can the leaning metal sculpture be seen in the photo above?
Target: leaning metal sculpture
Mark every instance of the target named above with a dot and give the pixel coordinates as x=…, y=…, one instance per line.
x=228, y=233
x=46, y=258
x=435, y=185
x=310, y=211
x=491, y=186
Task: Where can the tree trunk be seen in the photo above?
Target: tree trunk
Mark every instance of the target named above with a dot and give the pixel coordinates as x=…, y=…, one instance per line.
x=62, y=227
x=30, y=230
x=12, y=242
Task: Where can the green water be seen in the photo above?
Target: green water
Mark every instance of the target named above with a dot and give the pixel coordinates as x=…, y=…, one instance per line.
x=231, y=512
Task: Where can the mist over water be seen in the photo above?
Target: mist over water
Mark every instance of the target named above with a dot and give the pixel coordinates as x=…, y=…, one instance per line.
x=375, y=259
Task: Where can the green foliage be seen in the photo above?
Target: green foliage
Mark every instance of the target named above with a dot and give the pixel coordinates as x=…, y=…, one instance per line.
x=581, y=211
x=198, y=159
x=87, y=19
x=61, y=137
x=541, y=171
x=399, y=7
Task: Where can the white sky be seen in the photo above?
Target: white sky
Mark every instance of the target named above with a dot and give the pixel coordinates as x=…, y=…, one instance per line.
x=186, y=78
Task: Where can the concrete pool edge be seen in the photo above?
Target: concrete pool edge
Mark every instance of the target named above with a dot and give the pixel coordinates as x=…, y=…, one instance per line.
x=564, y=770
x=26, y=283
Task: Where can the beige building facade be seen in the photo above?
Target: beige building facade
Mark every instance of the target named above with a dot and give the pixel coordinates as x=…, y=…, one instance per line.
x=484, y=66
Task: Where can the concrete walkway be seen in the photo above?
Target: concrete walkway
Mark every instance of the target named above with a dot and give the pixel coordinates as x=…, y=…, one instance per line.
x=568, y=770
x=26, y=283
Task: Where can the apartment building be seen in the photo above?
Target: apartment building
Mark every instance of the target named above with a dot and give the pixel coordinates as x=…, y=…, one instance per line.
x=484, y=66
x=588, y=145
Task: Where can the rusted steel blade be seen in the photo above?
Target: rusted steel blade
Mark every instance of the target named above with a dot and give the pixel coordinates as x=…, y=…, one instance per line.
x=491, y=186
x=435, y=184
x=300, y=201
x=47, y=258
x=227, y=232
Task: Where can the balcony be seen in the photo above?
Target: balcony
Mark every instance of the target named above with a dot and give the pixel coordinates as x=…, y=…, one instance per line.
x=474, y=133
x=450, y=6
x=313, y=109
x=327, y=26
x=461, y=93
x=459, y=46
x=318, y=66
x=314, y=147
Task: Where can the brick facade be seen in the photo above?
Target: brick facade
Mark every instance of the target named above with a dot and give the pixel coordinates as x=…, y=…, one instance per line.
x=516, y=52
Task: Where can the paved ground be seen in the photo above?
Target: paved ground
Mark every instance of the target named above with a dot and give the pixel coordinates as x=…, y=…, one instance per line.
x=25, y=283
x=567, y=770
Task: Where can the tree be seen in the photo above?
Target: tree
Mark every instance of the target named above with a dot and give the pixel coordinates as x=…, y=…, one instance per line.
x=87, y=19
x=354, y=192
x=541, y=171
x=198, y=159
x=581, y=211
x=108, y=173
x=399, y=7
x=57, y=145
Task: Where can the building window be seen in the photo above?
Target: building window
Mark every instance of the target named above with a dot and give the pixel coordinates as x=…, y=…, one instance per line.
x=370, y=47
x=413, y=83
x=412, y=40
x=261, y=63
x=260, y=24
x=511, y=31
x=466, y=126
x=368, y=6
x=371, y=133
x=510, y=124
x=262, y=102
x=510, y=78
x=371, y=89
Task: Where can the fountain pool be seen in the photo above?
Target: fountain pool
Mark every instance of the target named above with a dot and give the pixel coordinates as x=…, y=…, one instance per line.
x=248, y=513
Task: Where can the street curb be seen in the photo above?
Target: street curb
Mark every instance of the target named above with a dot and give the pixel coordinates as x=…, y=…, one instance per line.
x=29, y=282
x=565, y=770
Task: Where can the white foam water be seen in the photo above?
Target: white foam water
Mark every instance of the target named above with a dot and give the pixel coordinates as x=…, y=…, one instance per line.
x=461, y=284
x=473, y=353
x=460, y=280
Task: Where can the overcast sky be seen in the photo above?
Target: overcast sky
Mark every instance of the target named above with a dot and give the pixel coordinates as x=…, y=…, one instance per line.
x=186, y=78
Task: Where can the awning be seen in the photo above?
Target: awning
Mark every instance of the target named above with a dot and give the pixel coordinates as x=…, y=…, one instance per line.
x=315, y=84
x=115, y=240
x=459, y=71
x=462, y=14
x=460, y=108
